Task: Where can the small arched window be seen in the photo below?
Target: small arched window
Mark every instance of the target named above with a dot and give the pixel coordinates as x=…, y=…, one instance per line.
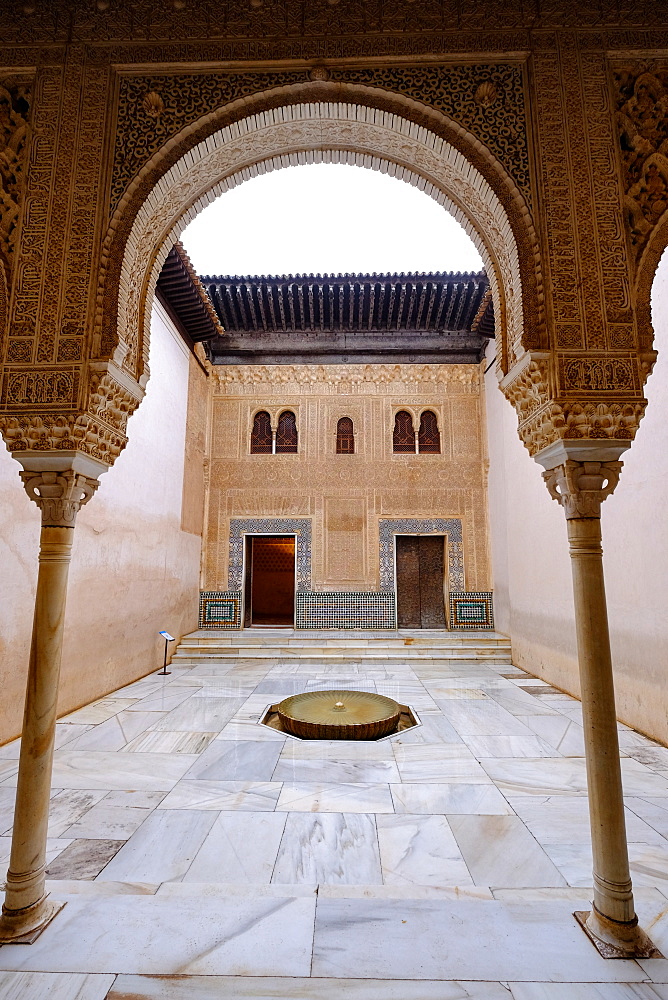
x=429, y=438
x=261, y=434
x=286, y=435
x=345, y=441
x=403, y=439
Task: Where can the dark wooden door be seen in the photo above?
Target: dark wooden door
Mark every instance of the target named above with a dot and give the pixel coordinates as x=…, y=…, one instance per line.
x=420, y=574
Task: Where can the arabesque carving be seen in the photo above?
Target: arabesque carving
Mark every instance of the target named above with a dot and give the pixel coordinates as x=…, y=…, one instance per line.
x=642, y=119
x=581, y=487
x=279, y=379
x=14, y=135
x=545, y=416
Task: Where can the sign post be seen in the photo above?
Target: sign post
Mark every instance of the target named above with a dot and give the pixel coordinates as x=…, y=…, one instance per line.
x=168, y=638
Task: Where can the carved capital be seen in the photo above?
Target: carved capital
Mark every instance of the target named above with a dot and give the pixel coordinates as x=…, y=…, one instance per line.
x=59, y=495
x=581, y=487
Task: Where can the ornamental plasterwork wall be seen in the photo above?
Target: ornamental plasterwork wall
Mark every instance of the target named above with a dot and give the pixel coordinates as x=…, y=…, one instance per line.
x=296, y=134
x=538, y=123
x=349, y=497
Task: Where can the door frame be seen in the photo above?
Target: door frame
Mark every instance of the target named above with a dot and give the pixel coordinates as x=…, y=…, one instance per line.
x=245, y=568
x=446, y=580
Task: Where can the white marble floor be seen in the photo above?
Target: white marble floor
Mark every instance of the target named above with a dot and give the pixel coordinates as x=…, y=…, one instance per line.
x=202, y=855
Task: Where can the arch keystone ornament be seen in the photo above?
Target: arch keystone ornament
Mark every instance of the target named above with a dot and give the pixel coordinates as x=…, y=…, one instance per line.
x=579, y=476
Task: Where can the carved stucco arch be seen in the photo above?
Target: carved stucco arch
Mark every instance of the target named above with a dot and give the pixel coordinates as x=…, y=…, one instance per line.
x=645, y=274
x=302, y=133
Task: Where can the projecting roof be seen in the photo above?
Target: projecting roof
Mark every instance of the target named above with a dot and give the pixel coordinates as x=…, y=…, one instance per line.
x=181, y=292
x=438, y=318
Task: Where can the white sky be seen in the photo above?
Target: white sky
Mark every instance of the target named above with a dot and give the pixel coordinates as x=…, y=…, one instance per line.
x=326, y=218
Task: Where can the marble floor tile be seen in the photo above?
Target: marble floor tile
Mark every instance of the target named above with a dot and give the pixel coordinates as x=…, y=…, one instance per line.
x=68, y=806
x=369, y=772
x=460, y=940
x=166, y=742
x=499, y=851
x=510, y=746
x=54, y=985
x=315, y=797
x=420, y=849
x=116, y=732
x=426, y=753
x=131, y=771
x=118, y=822
x=584, y=991
x=162, y=849
x=201, y=715
x=164, y=700
x=565, y=819
x=240, y=847
x=254, y=796
x=99, y=711
x=145, y=935
x=76, y=887
x=449, y=770
x=238, y=761
x=250, y=729
x=442, y=798
x=338, y=750
x=653, y=811
x=519, y=702
x=432, y=729
x=252, y=988
x=407, y=890
x=83, y=859
x=482, y=718
x=329, y=848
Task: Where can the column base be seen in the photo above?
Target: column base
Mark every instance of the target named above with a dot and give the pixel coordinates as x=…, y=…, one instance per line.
x=25, y=926
x=613, y=939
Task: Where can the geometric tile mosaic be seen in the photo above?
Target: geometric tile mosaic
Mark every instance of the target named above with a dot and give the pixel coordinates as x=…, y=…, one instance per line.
x=346, y=609
x=471, y=610
x=299, y=526
x=220, y=609
x=451, y=526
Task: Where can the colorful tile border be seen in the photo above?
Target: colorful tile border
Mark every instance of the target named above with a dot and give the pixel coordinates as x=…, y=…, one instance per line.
x=346, y=609
x=471, y=610
x=220, y=609
x=299, y=526
x=450, y=526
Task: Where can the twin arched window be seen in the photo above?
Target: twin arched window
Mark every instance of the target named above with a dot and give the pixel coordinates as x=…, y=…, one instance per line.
x=429, y=438
x=262, y=438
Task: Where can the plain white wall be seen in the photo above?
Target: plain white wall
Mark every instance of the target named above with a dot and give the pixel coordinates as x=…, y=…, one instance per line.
x=531, y=566
x=134, y=571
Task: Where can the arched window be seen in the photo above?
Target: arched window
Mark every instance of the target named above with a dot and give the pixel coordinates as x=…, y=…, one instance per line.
x=429, y=438
x=345, y=441
x=404, y=436
x=286, y=435
x=261, y=434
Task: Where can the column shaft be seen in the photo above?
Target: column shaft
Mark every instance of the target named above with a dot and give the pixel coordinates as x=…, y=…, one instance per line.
x=25, y=906
x=613, y=897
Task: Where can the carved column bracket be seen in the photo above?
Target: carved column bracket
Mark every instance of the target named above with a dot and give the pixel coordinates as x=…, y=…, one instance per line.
x=59, y=495
x=581, y=487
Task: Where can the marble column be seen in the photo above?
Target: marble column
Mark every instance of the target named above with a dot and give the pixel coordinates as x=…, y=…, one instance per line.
x=580, y=475
x=59, y=484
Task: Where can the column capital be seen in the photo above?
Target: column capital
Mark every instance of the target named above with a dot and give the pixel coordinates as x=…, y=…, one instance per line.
x=581, y=487
x=60, y=484
x=581, y=473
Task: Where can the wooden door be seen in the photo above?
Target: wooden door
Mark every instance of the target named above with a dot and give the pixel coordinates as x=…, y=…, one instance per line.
x=420, y=576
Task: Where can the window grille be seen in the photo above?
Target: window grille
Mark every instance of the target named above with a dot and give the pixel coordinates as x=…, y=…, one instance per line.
x=403, y=439
x=286, y=435
x=345, y=441
x=429, y=438
x=261, y=434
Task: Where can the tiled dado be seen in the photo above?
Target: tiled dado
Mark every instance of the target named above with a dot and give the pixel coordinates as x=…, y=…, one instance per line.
x=345, y=609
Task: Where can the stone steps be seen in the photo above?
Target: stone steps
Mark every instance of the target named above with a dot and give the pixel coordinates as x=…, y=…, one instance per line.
x=312, y=649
